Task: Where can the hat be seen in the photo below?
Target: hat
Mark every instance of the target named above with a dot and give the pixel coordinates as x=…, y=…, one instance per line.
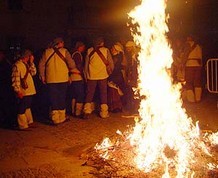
x=26, y=53
x=57, y=41
x=130, y=44
x=118, y=48
x=79, y=44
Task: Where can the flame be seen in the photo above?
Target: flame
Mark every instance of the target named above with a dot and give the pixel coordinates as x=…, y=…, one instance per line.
x=214, y=138
x=104, y=147
x=163, y=135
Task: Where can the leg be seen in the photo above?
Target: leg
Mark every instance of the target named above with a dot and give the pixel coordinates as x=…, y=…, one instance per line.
x=28, y=112
x=57, y=93
x=198, y=84
x=103, y=97
x=21, y=117
x=91, y=85
x=62, y=90
x=80, y=96
x=189, y=77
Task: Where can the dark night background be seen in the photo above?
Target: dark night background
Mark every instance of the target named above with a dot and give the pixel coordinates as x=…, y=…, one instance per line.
x=33, y=23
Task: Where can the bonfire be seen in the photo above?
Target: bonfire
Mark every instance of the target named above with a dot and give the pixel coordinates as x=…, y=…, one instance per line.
x=164, y=141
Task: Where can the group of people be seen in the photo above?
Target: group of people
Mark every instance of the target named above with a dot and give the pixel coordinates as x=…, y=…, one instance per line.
x=98, y=79
x=187, y=67
x=78, y=82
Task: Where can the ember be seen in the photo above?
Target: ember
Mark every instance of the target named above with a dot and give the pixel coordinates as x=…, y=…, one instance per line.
x=121, y=161
x=164, y=142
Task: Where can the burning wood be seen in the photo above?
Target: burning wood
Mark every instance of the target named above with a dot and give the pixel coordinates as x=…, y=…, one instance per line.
x=120, y=160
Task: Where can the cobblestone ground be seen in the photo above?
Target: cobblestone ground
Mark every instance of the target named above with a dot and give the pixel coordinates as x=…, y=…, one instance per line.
x=53, y=151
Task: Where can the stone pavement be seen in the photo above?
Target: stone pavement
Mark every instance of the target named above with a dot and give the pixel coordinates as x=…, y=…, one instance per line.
x=53, y=151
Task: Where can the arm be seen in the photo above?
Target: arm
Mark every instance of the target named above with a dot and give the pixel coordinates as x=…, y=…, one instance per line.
x=70, y=62
x=32, y=68
x=184, y=55
x=199, y=52
x=110, y=60
x=86, y=67
x=16, y=81
x=78, y=61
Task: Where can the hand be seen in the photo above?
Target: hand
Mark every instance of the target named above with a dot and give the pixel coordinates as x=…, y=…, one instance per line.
x=43, y=79
x=20, y=95
x=70, y=80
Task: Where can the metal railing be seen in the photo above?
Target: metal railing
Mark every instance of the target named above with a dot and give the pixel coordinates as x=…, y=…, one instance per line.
x=212, y=75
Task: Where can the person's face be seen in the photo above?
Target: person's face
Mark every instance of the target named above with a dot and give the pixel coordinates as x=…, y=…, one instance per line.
x=113, y=51
x=26, y=59
x=82, y=48
x=61, y=44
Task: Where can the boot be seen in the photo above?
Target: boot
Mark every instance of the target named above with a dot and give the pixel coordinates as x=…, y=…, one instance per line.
x=190, y=96
x=54, y=114
x=29, y=116
x=62, y=115
x=87, y=110
x=79, y=107
x=73, y=102
x=104, y=111
x=22, y=121
x=198, y=92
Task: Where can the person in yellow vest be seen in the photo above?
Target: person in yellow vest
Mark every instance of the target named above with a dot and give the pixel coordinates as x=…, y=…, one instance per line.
x=23, y=85
x=54, y=68
x=193, y=70
x=97, y=60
